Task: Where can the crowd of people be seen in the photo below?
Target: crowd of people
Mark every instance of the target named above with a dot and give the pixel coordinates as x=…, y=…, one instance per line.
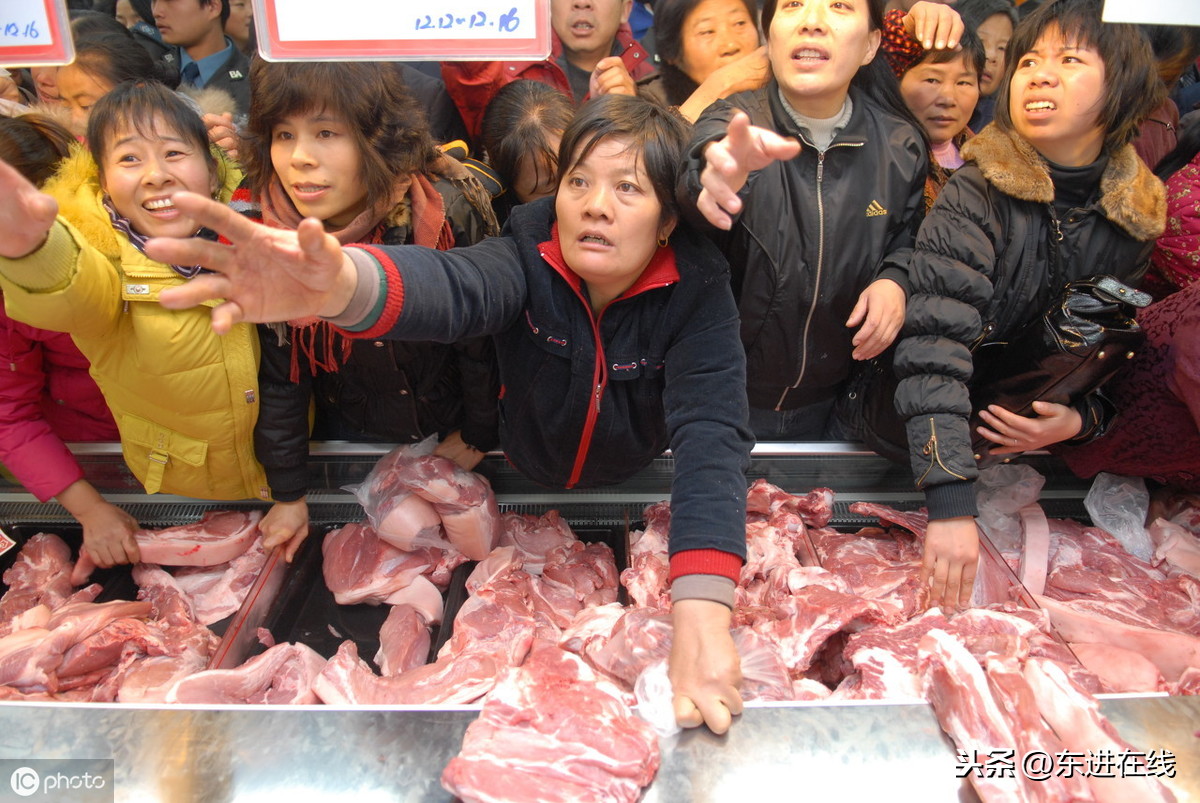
x=785, y=221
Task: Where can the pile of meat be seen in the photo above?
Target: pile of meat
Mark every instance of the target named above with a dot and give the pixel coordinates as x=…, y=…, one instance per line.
x=559, y=664
x=57, y=642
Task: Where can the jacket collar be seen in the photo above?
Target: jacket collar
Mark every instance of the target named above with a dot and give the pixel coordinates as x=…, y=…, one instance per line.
x=855, y=131
x=661, y=271
x=1130, y=195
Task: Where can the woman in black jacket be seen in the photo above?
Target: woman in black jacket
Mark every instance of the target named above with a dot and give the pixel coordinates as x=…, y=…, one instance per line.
x=617, y=337
x=818, y=181
x=1051, y=192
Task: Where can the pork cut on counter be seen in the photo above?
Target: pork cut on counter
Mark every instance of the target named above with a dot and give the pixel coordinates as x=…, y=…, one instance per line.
x=218, y=537
x=283, y=675
x=551, y=731
x=41, y=575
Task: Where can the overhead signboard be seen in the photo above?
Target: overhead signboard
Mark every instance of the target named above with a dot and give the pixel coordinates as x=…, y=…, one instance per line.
x=34, y=32
x=320, y=30
x=1155, y=12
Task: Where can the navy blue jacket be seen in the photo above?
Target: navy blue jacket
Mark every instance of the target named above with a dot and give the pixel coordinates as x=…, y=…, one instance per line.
x=587, y=402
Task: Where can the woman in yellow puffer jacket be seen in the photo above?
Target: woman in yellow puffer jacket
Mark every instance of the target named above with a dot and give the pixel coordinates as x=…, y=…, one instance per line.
x=185, y=400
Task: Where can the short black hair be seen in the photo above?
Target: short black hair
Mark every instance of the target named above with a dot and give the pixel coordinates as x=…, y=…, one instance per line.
x=141, y=104
x=970, y=48
x=658, y=135
x=114, y=56
x=1132, y=89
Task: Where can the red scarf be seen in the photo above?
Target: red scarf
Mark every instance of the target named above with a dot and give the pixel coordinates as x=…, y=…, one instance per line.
x=315, y=340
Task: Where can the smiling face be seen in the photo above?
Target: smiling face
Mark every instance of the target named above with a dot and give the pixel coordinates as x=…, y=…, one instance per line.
x=941, y=96
x=140, y=173
x=319, y=164
x=79, y=91
x=715, y=33
x=994, y=32
x=587, y=28
x=609, y=219
x=815, y=48
x=1055, y=99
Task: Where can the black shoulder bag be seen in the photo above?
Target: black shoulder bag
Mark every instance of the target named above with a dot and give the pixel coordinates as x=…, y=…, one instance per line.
x=1067, y=352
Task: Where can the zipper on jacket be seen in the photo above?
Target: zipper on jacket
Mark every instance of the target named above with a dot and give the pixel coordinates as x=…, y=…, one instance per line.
x=599, y=382
x=812, y=307
x=931, y=450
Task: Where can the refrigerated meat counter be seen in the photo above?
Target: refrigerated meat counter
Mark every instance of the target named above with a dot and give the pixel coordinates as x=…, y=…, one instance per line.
x=854, y=750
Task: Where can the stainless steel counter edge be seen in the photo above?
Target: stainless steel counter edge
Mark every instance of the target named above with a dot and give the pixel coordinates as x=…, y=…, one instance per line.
x=860, y=752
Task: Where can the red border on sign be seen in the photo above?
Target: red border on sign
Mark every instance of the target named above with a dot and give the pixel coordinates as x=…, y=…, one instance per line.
x=495, y=49
x=60, y=51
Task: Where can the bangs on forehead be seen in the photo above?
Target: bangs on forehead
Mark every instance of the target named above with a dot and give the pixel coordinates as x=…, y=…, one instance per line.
x=588, y=145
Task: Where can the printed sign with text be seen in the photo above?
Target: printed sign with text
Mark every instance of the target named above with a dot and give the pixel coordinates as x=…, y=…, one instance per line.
x=366, y=29
x=34, y=32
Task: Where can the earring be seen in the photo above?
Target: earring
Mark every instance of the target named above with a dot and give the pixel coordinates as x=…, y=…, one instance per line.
x=662, y=242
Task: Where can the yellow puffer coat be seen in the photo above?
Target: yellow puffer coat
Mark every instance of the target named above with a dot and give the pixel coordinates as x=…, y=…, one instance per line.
x=185, y=398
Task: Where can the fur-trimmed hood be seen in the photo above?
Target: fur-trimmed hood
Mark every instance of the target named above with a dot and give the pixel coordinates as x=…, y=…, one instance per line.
x=1130, y=195
x=76, y=187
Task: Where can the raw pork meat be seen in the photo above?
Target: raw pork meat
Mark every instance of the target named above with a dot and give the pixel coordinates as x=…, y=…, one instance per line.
x=283, y=675
x=957, y=687
x=41, y=575
x=406, y=521
x=423, y=596
x=360, y=567
x=218, y=537
x=553, y=731
x=404, y=641
x=535, y=537
x=1076, y=718
x=218, y=591
x=457, y=679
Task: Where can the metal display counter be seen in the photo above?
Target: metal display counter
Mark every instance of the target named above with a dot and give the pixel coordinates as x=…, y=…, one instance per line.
x=851, y=751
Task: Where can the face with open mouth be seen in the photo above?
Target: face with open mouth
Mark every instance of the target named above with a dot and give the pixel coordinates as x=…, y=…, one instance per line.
x=1055, y=98
x=140, y=173
x=941, y=96
x=609, y=219
x=588, y=28
x=319, y=164
x=815, y=48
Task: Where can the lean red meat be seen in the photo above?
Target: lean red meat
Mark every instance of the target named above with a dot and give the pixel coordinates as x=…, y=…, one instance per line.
x=404, y=641
x=360, y=567
x=553, y=731
x=218, y=537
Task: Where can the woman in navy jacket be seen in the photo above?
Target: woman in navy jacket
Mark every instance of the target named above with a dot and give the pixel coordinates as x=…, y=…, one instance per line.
x=615, y=340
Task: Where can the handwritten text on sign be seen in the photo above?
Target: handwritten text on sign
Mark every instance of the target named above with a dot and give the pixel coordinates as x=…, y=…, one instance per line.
x=309, y=20
x=23, y=22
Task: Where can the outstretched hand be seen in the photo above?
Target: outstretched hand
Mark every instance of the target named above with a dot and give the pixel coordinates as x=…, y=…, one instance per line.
x=744, y=149
x=26, y=214
x=263, y=275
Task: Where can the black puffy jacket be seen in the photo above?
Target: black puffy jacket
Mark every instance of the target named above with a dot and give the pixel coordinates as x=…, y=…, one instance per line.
x=985, y=265
x=814, y=231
